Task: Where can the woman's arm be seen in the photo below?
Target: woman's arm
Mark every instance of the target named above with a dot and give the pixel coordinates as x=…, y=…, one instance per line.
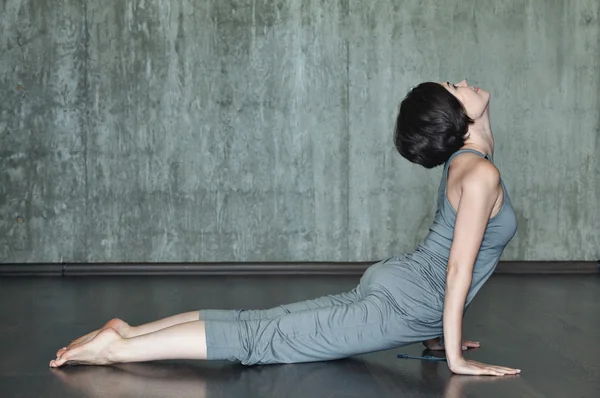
x=437, y=344
x=479, y=193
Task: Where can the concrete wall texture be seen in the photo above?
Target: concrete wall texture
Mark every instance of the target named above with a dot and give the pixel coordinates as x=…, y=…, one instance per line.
x=256, y=130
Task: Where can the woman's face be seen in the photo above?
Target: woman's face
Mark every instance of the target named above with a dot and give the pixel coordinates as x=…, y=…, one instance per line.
x=474, y=99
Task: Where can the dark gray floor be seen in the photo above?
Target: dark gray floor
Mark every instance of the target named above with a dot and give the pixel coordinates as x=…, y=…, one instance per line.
x=548, y=326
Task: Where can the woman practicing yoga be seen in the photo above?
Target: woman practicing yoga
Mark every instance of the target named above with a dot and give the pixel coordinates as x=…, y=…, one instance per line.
x=409, y=298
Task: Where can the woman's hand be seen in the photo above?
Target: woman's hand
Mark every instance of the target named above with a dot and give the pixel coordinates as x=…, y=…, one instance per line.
x=437, y=345
x=468, y=367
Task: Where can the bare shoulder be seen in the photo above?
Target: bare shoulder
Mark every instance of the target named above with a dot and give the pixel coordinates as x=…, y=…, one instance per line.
x=474, y=180
x=482, y=175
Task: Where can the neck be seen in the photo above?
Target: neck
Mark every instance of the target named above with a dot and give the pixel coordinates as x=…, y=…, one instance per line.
x=480, y=135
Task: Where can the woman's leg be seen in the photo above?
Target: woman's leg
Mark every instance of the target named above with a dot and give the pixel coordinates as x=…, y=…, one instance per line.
x=320, y=334
x=127, y=331
x=124, y=330
x=182, y=341
x=146, y=328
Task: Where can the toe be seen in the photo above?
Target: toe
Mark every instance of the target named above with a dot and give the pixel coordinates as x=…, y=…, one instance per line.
x=68, y=355
x=58, y=362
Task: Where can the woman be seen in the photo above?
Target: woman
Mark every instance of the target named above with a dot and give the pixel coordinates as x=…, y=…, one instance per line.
x=404, y=299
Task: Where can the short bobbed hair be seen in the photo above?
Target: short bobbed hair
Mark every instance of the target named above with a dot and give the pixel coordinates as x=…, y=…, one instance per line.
x=431, y=125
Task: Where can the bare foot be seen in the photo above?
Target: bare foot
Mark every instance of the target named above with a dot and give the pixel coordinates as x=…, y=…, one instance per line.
x=94, y=352
x=117, y=324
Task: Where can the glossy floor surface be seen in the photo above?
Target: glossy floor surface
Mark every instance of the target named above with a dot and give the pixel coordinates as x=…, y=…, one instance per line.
x=548, y=326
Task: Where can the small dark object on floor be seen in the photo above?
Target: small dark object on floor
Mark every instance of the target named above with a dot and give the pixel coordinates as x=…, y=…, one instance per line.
x=425, y=357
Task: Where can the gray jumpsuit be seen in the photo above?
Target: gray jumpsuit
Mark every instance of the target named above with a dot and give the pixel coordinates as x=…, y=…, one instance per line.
x=398, y=301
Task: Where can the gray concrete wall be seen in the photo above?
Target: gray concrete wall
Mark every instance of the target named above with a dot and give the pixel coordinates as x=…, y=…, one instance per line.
x=261, y=130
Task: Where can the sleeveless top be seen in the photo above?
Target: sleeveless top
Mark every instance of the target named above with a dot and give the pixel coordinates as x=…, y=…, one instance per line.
x=433, y=254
